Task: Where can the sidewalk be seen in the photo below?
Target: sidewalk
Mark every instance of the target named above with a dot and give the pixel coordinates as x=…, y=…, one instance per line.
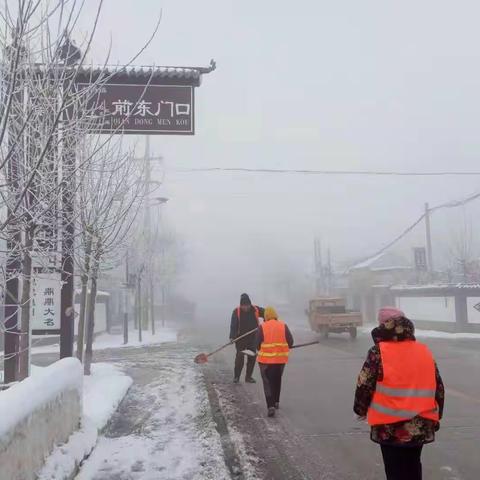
x=164, y=428
x=103, y=390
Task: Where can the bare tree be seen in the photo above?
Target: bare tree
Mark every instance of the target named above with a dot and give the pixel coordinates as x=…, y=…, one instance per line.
x=463, y=251
x=42, y=120
x=109, y=198
x=38, y=66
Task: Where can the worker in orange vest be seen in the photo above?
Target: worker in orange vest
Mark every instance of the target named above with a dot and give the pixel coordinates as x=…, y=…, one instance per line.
x=274, y=341
x=401, y=394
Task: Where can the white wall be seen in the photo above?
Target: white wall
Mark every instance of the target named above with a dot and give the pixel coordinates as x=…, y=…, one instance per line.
x=38, y=413
x=100, y=317
x=428, y=309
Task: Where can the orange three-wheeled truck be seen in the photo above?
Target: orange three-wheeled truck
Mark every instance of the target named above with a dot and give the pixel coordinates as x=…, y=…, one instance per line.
x=327, y=314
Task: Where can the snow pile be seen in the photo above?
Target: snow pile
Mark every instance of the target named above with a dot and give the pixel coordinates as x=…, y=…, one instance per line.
x=103, y=391
x=64, y=462
x=434, y=334
x=162, y=335
x=106, y=341
x=36, y=414
x=164, y=429
x=447, y=335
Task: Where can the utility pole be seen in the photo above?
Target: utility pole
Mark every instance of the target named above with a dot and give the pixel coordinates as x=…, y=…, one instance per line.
x=319, y=280
x=429, y=241
x=329, y=273
x=139, y=306
x=149, y=310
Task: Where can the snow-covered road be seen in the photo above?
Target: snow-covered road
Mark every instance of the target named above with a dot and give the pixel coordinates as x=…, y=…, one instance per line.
x=164, y=428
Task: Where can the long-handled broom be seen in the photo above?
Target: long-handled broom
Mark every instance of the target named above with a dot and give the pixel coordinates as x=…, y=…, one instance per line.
x=203, y=357
x=252, y=354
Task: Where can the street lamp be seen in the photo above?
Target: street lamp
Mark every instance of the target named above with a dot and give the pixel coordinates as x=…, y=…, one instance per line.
x=157, y=202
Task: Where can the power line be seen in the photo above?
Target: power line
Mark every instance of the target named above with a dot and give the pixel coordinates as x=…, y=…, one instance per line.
x=451, y=204
x=327, y=172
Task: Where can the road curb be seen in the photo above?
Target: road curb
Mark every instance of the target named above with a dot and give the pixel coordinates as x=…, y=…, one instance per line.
x=232, y=460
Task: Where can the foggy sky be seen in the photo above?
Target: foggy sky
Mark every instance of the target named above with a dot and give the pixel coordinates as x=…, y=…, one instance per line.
x=308, y=84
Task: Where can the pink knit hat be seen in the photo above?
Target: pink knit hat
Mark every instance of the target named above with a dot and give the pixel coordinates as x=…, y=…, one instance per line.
x=386, y=313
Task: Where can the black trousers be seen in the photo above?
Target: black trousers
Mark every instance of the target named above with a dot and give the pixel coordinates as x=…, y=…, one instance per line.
x=402, y=463
x=272, y=382
x=239, y=361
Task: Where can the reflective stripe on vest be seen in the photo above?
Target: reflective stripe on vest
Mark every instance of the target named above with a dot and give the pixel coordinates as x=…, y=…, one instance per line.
x=405, y=392
x=275, y=354
x=397, y=413
x=274, y=348
x=408, y=386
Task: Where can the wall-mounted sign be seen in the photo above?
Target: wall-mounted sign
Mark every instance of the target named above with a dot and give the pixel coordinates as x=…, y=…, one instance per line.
x=141, y=109
x=420, y=256
x=45, y=304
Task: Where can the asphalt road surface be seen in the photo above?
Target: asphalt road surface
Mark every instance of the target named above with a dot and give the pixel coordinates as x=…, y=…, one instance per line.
x=316, y=436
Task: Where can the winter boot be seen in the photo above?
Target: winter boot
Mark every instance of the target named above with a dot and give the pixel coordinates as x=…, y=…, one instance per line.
x=271, y=411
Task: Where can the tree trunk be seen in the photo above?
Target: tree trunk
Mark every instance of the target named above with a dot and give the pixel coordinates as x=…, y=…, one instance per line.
x=83, y=300
x=139, y=307
x=25, y=303
x=152, y=307
x=91, y=320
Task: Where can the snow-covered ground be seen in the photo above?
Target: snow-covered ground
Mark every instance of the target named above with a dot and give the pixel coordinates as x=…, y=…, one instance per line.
x=249, y=460
x=102, y=393
x=164, y=429
x=105, y=341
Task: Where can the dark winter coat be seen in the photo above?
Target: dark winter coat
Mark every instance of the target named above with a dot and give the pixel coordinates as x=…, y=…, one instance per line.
x=246, y=322
x=414, y=432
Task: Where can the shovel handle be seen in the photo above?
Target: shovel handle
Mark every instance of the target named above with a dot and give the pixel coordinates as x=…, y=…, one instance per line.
x=306, y=344
x=232, y=342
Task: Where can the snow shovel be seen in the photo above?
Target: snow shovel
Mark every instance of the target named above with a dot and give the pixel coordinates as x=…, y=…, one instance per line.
x=252, y=354
x=203, y=357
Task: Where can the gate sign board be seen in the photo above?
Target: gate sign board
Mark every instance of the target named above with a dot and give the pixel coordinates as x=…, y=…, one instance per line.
x=45, y=305
x=142, y=109
x=420, y=255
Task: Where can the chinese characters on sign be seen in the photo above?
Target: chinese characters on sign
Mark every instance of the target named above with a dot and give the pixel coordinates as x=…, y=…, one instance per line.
x=140, y=109
x=46, y=302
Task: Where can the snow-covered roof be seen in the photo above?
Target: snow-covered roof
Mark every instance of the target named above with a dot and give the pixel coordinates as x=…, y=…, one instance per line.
x=437, y=286
x=382, y=262
x=100, y=293
x=441, y=286
x=467, y=285
x=366, y=263
x=130, y=73
x=392, y=267
x=153, y=72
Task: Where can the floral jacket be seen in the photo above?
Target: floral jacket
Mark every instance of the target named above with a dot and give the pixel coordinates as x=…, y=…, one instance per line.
x=414, y=432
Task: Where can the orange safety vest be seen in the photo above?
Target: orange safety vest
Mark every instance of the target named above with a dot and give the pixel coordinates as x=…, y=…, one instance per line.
x=257, y=315
x=274, y=348
x=408, y=386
